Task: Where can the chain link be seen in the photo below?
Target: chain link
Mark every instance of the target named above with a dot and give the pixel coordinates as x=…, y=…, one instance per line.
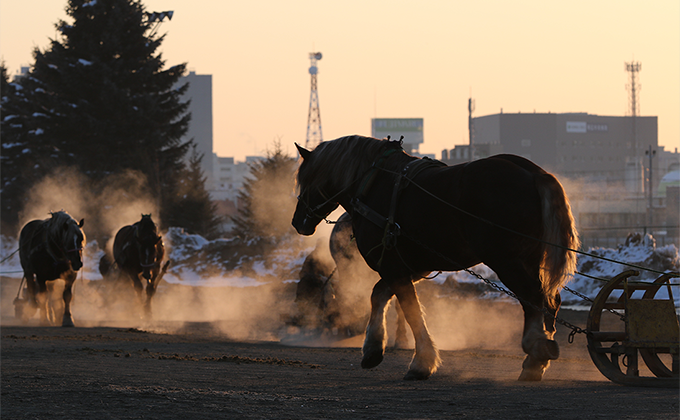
x=584, y=297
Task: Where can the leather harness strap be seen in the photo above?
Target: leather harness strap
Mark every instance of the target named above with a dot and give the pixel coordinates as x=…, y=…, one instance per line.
x=391, y=229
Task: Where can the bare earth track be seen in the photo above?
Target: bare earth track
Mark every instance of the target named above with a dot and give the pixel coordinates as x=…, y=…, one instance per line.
x=198, y=372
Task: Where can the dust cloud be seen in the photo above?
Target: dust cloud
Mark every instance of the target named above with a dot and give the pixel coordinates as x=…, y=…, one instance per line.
x=252, y=312
x=119, y=201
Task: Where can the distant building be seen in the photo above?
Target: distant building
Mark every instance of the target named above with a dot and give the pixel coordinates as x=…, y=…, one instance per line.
x=229, y=177
x=201, y=124
x=604, y=159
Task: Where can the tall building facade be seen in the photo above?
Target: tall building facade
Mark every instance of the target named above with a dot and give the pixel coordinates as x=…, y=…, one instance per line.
x=201, y=125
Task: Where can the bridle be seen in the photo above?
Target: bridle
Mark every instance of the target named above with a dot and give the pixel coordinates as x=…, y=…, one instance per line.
x=366, y=178
x=313, y=211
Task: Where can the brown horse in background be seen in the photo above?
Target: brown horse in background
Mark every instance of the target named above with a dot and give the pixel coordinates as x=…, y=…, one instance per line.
x=51, y=249
x=412, y=216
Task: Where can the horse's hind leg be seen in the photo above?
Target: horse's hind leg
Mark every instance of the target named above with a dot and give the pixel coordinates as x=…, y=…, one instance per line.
x=426, y=357
x=400, y=340
x=376, y=337
x=537, y=341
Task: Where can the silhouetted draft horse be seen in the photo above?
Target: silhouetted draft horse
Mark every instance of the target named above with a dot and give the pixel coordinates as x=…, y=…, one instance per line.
x=314, y=295
x=51, y=249
x=138, y=252
x=411, y=216
x=350, y=267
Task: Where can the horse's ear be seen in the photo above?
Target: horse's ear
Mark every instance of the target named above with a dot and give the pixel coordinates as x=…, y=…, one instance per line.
x=158, y=238
x=303, y=152
x=81, y=223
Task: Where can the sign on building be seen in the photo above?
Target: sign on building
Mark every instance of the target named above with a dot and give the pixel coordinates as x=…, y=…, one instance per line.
x=410, y=128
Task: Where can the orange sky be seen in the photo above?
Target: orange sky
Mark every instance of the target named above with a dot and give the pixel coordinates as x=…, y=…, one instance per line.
x=400, y=59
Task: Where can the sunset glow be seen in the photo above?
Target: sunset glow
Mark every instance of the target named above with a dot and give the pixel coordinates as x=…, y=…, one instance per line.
x=400, y=59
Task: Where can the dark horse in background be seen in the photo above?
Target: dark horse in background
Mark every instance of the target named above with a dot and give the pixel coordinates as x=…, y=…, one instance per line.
x=138, y=253
x=51, y=249
x=412, y=216
x=351, y=275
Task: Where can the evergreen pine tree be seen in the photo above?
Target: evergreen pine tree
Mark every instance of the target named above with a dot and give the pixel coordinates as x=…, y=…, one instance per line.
x=266, y=201
x=25, y=153
x=98, y=99
x=194, y=210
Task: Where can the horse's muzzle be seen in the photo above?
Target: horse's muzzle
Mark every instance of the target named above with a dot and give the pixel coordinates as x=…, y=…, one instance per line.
x=304, y=228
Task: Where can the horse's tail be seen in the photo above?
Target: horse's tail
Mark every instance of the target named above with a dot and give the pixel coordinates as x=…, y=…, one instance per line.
x=559, y=236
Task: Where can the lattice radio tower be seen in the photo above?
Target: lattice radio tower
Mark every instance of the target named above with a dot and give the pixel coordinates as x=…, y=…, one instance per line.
x=634, y=68
x=314, y=131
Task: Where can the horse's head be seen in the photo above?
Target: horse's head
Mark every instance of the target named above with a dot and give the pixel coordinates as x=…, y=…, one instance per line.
x=149, y=243
x=314, y=203
x=67, y=234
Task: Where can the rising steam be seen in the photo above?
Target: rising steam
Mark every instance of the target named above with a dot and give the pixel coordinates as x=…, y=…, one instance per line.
x=244, y=313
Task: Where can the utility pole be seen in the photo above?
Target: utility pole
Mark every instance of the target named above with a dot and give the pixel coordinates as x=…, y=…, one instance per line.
x=650, y=211
x=471, y=126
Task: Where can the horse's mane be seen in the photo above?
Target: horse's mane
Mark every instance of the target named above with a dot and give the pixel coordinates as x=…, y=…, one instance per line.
x=55, y=226
x=146, y=226
x=342, y=160
x=56, y=222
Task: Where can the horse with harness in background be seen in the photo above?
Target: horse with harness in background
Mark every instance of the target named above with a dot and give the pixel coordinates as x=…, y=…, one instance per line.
x=412, y=216
x=51, y=249
x=138, y=253
x=352, y=274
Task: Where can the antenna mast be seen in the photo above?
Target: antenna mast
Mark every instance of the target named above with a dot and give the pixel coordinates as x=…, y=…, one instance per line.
x=314, y=131
x=471, y=126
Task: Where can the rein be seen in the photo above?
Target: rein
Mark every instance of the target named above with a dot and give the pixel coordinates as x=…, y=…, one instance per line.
x=490, y=223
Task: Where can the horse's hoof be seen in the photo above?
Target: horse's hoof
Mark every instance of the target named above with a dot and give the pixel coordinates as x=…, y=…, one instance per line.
x=371, y=360
x=534, y=375
x=67, y=322
x=533, y=369
x=413, y=375
x=553, y=349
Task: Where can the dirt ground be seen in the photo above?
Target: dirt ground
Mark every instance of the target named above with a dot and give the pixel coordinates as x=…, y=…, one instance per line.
x=197, y=370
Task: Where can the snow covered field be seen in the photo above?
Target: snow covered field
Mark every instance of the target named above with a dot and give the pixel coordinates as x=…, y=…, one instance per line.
x=199, y=262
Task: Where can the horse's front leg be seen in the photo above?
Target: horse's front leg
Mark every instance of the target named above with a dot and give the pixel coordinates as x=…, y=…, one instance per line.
x=138, y=286
x=150, y=292
x=67, y=320
x=376, y=337
x=41, y=298
x=426, y=357
x=31, y=306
